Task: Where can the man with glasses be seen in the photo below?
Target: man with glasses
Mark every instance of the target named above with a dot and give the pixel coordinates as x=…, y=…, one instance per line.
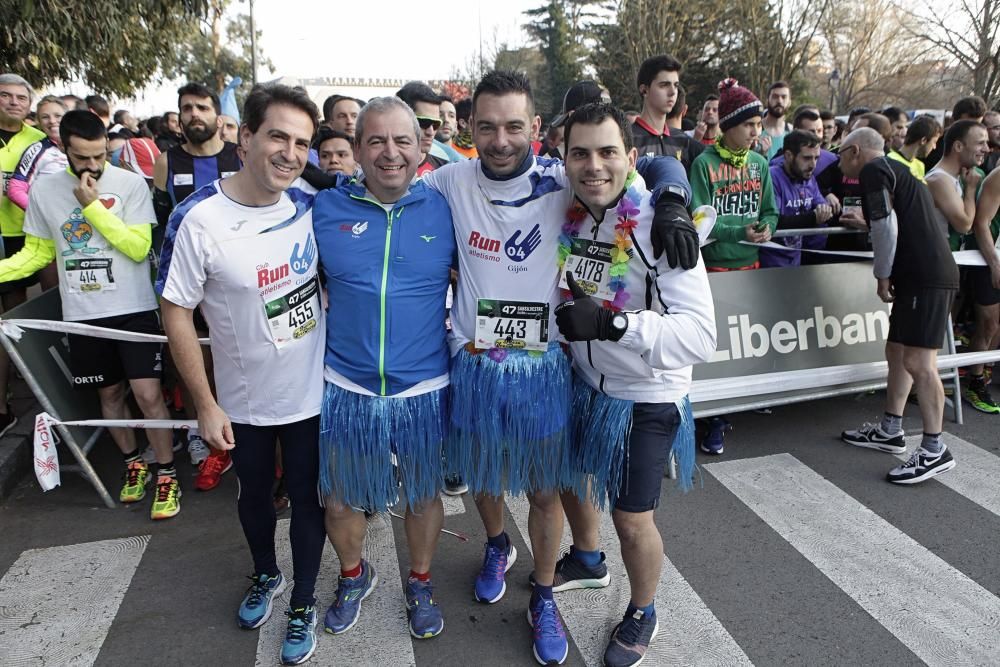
x=426, y=104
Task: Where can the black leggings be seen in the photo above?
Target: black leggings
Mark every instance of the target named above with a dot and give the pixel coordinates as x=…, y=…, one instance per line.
x=254, y=460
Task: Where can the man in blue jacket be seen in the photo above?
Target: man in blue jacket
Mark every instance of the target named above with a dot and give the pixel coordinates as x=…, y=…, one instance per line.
x=386, y=247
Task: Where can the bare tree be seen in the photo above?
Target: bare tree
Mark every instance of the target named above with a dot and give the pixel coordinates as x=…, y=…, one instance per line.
x=965, y=32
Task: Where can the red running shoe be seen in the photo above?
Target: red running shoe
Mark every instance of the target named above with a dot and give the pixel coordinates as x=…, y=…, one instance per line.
x=211, y=470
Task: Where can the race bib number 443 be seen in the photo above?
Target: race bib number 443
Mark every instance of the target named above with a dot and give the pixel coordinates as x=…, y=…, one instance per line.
x=293, y=314
x=512, y=325
x=590, y=262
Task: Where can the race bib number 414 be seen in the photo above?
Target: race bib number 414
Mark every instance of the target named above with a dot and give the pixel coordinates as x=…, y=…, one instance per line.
x=512, y=325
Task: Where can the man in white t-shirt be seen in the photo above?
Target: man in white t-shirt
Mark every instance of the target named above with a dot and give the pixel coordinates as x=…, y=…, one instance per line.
x=243, y=249
x=96, y=220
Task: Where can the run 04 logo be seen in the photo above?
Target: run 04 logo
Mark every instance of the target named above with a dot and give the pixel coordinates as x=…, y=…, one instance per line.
x=300, y=261
x=516, y=248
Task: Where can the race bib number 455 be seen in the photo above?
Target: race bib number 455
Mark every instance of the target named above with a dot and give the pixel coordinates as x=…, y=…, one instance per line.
x=512, y=325
x=293, y=314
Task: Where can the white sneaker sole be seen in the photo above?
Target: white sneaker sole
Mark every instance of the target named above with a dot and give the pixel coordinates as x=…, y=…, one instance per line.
x=578, y=584
x=371, y=589
x=879, y=446
x=270, y=607
x=511, y=559
x=933, y=472
x=534, y=651
x=428, y=636
x=304, y=658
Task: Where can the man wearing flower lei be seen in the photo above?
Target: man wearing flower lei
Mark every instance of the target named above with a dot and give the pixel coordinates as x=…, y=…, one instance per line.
x=510, y=375
x=635, y=327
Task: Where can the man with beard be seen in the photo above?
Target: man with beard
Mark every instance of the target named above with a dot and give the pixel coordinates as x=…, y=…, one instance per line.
x=707, y=130
x=774, y=125
x=97, y=219
x=15, y=138
x=510, y=377
x=899, y=121
x=179, y=172
x=992, y=122
x=800, y=202
x=449, y=121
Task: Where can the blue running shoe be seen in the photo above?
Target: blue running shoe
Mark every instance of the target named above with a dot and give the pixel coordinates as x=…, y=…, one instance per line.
x=259, y=600
x=300, y=636
x=548, y=637
x=713, y=442
x=424, y=614
x=491, y=583
x=344, y=612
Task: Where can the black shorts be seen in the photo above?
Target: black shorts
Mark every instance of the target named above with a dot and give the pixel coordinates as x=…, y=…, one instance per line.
x=920, y=316
x=11, y=246
x=101, y=362
x=654, y=426
x=981, y=286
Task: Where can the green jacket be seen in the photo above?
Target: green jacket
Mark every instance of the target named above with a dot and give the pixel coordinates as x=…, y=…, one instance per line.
x=740, y=197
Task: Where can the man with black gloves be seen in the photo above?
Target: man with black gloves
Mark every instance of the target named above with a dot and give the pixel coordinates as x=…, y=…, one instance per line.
x=635, y=327
x=917, y=273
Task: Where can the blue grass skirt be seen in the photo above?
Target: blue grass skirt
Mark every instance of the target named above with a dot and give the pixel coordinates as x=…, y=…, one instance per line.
x=509, y=419
x=601, y=426
x=369, y=444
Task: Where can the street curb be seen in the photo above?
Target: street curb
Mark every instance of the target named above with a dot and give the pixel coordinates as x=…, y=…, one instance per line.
x=15, y=446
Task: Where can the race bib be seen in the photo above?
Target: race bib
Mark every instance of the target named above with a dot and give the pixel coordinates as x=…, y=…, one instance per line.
x=852, y=206
x=293, y=314
x=90, y=275
x=512, y=325
x=590, y=262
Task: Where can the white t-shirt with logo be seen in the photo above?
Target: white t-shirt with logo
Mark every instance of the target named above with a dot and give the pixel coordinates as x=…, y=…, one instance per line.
x=253, y=270
x=95, y=279
x=508, y=237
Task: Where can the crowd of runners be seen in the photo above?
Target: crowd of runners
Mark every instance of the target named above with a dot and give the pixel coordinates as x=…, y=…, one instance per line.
x=412, y=294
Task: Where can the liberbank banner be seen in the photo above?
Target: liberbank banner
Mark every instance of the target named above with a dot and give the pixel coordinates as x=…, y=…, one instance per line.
x=793, y=318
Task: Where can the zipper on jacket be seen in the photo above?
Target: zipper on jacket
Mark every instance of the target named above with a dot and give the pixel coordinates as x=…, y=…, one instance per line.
x=382, y=289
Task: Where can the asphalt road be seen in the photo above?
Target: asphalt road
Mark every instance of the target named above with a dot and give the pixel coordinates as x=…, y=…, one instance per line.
x=791, y=550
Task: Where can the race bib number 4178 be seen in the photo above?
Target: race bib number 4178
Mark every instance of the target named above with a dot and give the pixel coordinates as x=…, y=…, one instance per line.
x=512, y=325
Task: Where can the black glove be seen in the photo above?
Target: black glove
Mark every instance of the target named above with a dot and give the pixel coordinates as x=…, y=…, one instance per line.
x=318, y=178
x=582, y=318
x=674, y=233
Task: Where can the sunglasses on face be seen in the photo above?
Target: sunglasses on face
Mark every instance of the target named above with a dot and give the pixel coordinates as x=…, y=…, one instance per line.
x=428, y=121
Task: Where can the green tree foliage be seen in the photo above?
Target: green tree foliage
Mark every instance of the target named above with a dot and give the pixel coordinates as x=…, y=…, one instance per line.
x=756, y=41
x=217, y=49
x=115, y=46
x=561, y=29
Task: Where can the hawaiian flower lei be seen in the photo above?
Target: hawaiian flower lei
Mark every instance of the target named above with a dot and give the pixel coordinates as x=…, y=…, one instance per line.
x=626, y=211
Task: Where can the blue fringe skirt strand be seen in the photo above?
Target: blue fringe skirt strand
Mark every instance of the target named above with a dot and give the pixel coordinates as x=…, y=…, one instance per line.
x=509, y=420
x=597, y=457
x=369, y=444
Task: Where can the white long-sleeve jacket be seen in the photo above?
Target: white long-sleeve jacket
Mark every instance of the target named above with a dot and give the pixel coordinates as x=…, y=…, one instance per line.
x=671, y=320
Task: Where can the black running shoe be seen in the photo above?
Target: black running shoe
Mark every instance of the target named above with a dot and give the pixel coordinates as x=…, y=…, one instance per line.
x=873, y=437
x=571, y=574
x=630, y=640
x=921, y=466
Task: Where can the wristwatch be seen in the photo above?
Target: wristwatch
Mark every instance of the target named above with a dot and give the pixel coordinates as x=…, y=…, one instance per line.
x=619, y=324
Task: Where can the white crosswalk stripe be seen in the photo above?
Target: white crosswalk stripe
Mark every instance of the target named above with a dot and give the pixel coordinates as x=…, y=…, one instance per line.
x=382, y=626
x=941, y=615
x=690, y=634
x=57, y=604
x=976, y=475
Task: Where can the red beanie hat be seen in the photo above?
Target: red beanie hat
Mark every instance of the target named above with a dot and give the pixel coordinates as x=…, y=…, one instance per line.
x=736, y=104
